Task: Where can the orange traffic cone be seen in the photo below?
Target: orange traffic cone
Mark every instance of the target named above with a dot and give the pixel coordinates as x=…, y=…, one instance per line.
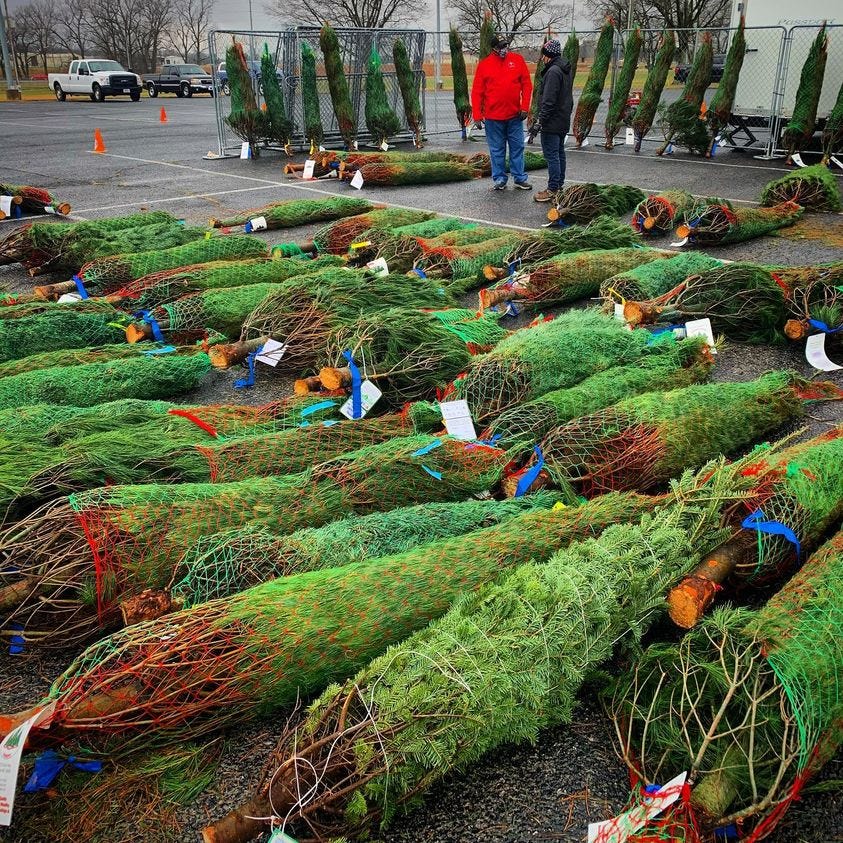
x=163, y=117
x=99, y=143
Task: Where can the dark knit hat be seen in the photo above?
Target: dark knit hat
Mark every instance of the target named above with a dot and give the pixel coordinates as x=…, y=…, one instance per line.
x=499, y=41
x=552, y=48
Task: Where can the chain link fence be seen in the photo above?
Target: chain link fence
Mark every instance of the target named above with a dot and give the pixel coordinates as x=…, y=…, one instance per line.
x=356, y=46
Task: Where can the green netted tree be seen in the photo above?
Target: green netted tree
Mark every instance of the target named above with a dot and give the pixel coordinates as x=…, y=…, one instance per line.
x=338, y=86
x=571, y=51
x=487, y=33
x=593, y=89
x=462, y=100
x=313, y=130
x=642, y=120
x=409, y=86
x=279, y=127
x=800, y=129
x=833, y=132
x=720, y=108
x=623, y=84
x=381, y=120
x=245, y=118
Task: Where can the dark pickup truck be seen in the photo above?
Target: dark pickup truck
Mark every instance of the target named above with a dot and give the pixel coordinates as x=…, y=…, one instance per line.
x=183, y=80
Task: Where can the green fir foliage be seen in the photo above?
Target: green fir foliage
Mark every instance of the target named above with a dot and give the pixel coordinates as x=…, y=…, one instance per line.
x=592, y=91
x=623, y=84
x=381, y=120
x=338, y=85
x=278, y=125
x=310, y=98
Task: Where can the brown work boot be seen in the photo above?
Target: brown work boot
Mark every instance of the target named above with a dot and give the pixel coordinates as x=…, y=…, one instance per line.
x=545, y=196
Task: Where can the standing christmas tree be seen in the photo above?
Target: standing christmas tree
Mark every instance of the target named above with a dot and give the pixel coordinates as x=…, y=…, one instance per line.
x=642, y=121
x=246, y=119
x=623, y=83
x=313, y=130
x=409, y=90
x=720, y=109
x=380, y=118
x=487, y=32
x=682, y=121
x=800, y=129
x=571, y=51
x=833, y=132
x=279, y=127
x=338, y=86
x=462, y=101
x=593, y=88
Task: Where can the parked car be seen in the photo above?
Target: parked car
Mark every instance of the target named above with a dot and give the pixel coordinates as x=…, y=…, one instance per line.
x=221, y=76
x=183, y=80
x=681, y=71
x=97, y=79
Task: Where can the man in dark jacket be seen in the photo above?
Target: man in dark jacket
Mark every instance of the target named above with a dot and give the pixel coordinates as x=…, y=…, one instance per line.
x=556, y=105
x=500, y=96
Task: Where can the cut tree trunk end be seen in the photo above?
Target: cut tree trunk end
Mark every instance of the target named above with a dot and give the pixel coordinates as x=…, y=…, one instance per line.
x=150, y=604
x=51, y=292
x=332, y=378
x=305, y=386
x=229, y=354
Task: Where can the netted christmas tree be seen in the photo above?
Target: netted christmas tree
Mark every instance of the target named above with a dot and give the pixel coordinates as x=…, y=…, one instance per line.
x=571, y=51
x=409, y=85
x=654, y=279
x=832, y=133
x=642, y=120
x=720, y=109
x=567, y=278
x=683, y=123
x=381, y=120
x=583, y=202
x=466, y=262
x=748, y=703
x=279, y=127
x=713, y=222
x=312, y=116
x=800, y=128
x=592, y=91
x=623, y=85
x=487, y=33
x=338, y=86
x=338, y=236
x=34, y=200
x=497, y=668
x=814, y=188
x=416, y=173
x=658, y=214
x=246, y=120
x=462, y=100
x=815, y=299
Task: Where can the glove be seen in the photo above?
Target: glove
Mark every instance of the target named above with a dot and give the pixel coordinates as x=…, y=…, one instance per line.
x=522, y=115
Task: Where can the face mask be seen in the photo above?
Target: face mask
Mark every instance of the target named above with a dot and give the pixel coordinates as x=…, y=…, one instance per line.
x=502, y=51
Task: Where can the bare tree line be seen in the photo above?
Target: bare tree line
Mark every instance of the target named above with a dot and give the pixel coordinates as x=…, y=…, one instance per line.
x=135, y=34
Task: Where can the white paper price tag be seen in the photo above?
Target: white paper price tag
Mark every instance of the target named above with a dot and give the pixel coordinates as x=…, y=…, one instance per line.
x=11, y=750
x=701, y=328
x=69, y=298
x=258, y=224
x=6, y=205
x=679, y=243
x=272, y=352
x=816, y=356
x=357, y=181
x=797, y=159
x=245, y=150
x=369, y=395
x=630, y=137
x=620, y=828
x=458, y=421
x=309, y=166
x=619, y=312
x=584, y=143
x=385, y=146
x=49, y=209
x=379, y=266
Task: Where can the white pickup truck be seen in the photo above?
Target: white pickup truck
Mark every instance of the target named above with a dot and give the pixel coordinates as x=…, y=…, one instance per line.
x=97, y=79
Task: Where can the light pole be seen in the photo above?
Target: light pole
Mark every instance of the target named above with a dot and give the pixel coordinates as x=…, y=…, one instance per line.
x=251, y=21
x=629, y=15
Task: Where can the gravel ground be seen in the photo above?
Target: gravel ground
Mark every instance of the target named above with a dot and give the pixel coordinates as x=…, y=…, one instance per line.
x=571, y=776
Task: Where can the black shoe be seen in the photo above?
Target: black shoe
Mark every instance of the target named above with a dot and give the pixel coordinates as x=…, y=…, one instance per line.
x=499, y=185
x=523, y=185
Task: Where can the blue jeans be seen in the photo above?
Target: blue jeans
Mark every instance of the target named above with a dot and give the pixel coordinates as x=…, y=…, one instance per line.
x=499, y=135
x=553, y=149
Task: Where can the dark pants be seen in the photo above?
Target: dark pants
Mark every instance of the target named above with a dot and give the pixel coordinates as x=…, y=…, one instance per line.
x=499, y=135
x=553, y=149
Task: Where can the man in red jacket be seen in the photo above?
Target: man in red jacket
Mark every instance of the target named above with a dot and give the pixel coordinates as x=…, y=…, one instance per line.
x=500, y=97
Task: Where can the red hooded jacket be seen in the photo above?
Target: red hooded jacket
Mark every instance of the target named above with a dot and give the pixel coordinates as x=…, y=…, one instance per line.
x=502, y=87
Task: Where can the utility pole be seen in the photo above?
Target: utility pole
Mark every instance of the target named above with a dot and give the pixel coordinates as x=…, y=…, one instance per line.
x=629, y=15
x=12, y=87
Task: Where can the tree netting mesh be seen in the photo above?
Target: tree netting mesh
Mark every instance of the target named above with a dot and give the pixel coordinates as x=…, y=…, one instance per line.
x=224, y=563
x=497, y=668
x=409, y=90
x=468, y=261
x=146, y=376
x=336, y=237
x=381, y=121
x=388, y=174
x=716, y=222
x=462, y=100
x=279, y=127
x=642, y=120
x=482, y=162
x=748, y=703
x=298, y=212
x=338, y=85
x=678, y=364
x=659, y=213
x=110, y=274
x=549, y=355
x=720, y=108
x=113, y=542
x=592, y=91
x=815, y=188
x=568, y=278
x=832, y=138
x=815, y=296
x=800, y=129
x=170, y=284
x=583, y=202
x=623, y=84
x=643, y=441
x=262, y=648
x=654, y=279
x=246, y=120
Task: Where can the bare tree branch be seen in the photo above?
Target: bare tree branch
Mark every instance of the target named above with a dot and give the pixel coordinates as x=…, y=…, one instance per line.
x=367, y=14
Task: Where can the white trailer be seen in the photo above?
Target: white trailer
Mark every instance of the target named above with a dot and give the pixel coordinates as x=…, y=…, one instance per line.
x=774, y=57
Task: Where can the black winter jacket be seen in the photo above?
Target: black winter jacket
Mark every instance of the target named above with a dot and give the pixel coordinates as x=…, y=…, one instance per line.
x=557, y=97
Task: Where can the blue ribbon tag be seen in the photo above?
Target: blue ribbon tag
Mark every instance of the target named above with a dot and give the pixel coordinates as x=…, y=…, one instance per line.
x=167, y=349
x=530, y=476
x=427, y=448
x=16, y=642
x=757, y=521
x=150, y=320
x=420, y=272
x=49, y=764
x=356, y=398
x=80, y=287
x=315, y=408
x=821, y=326
x=249, y=380
x=437, y=475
